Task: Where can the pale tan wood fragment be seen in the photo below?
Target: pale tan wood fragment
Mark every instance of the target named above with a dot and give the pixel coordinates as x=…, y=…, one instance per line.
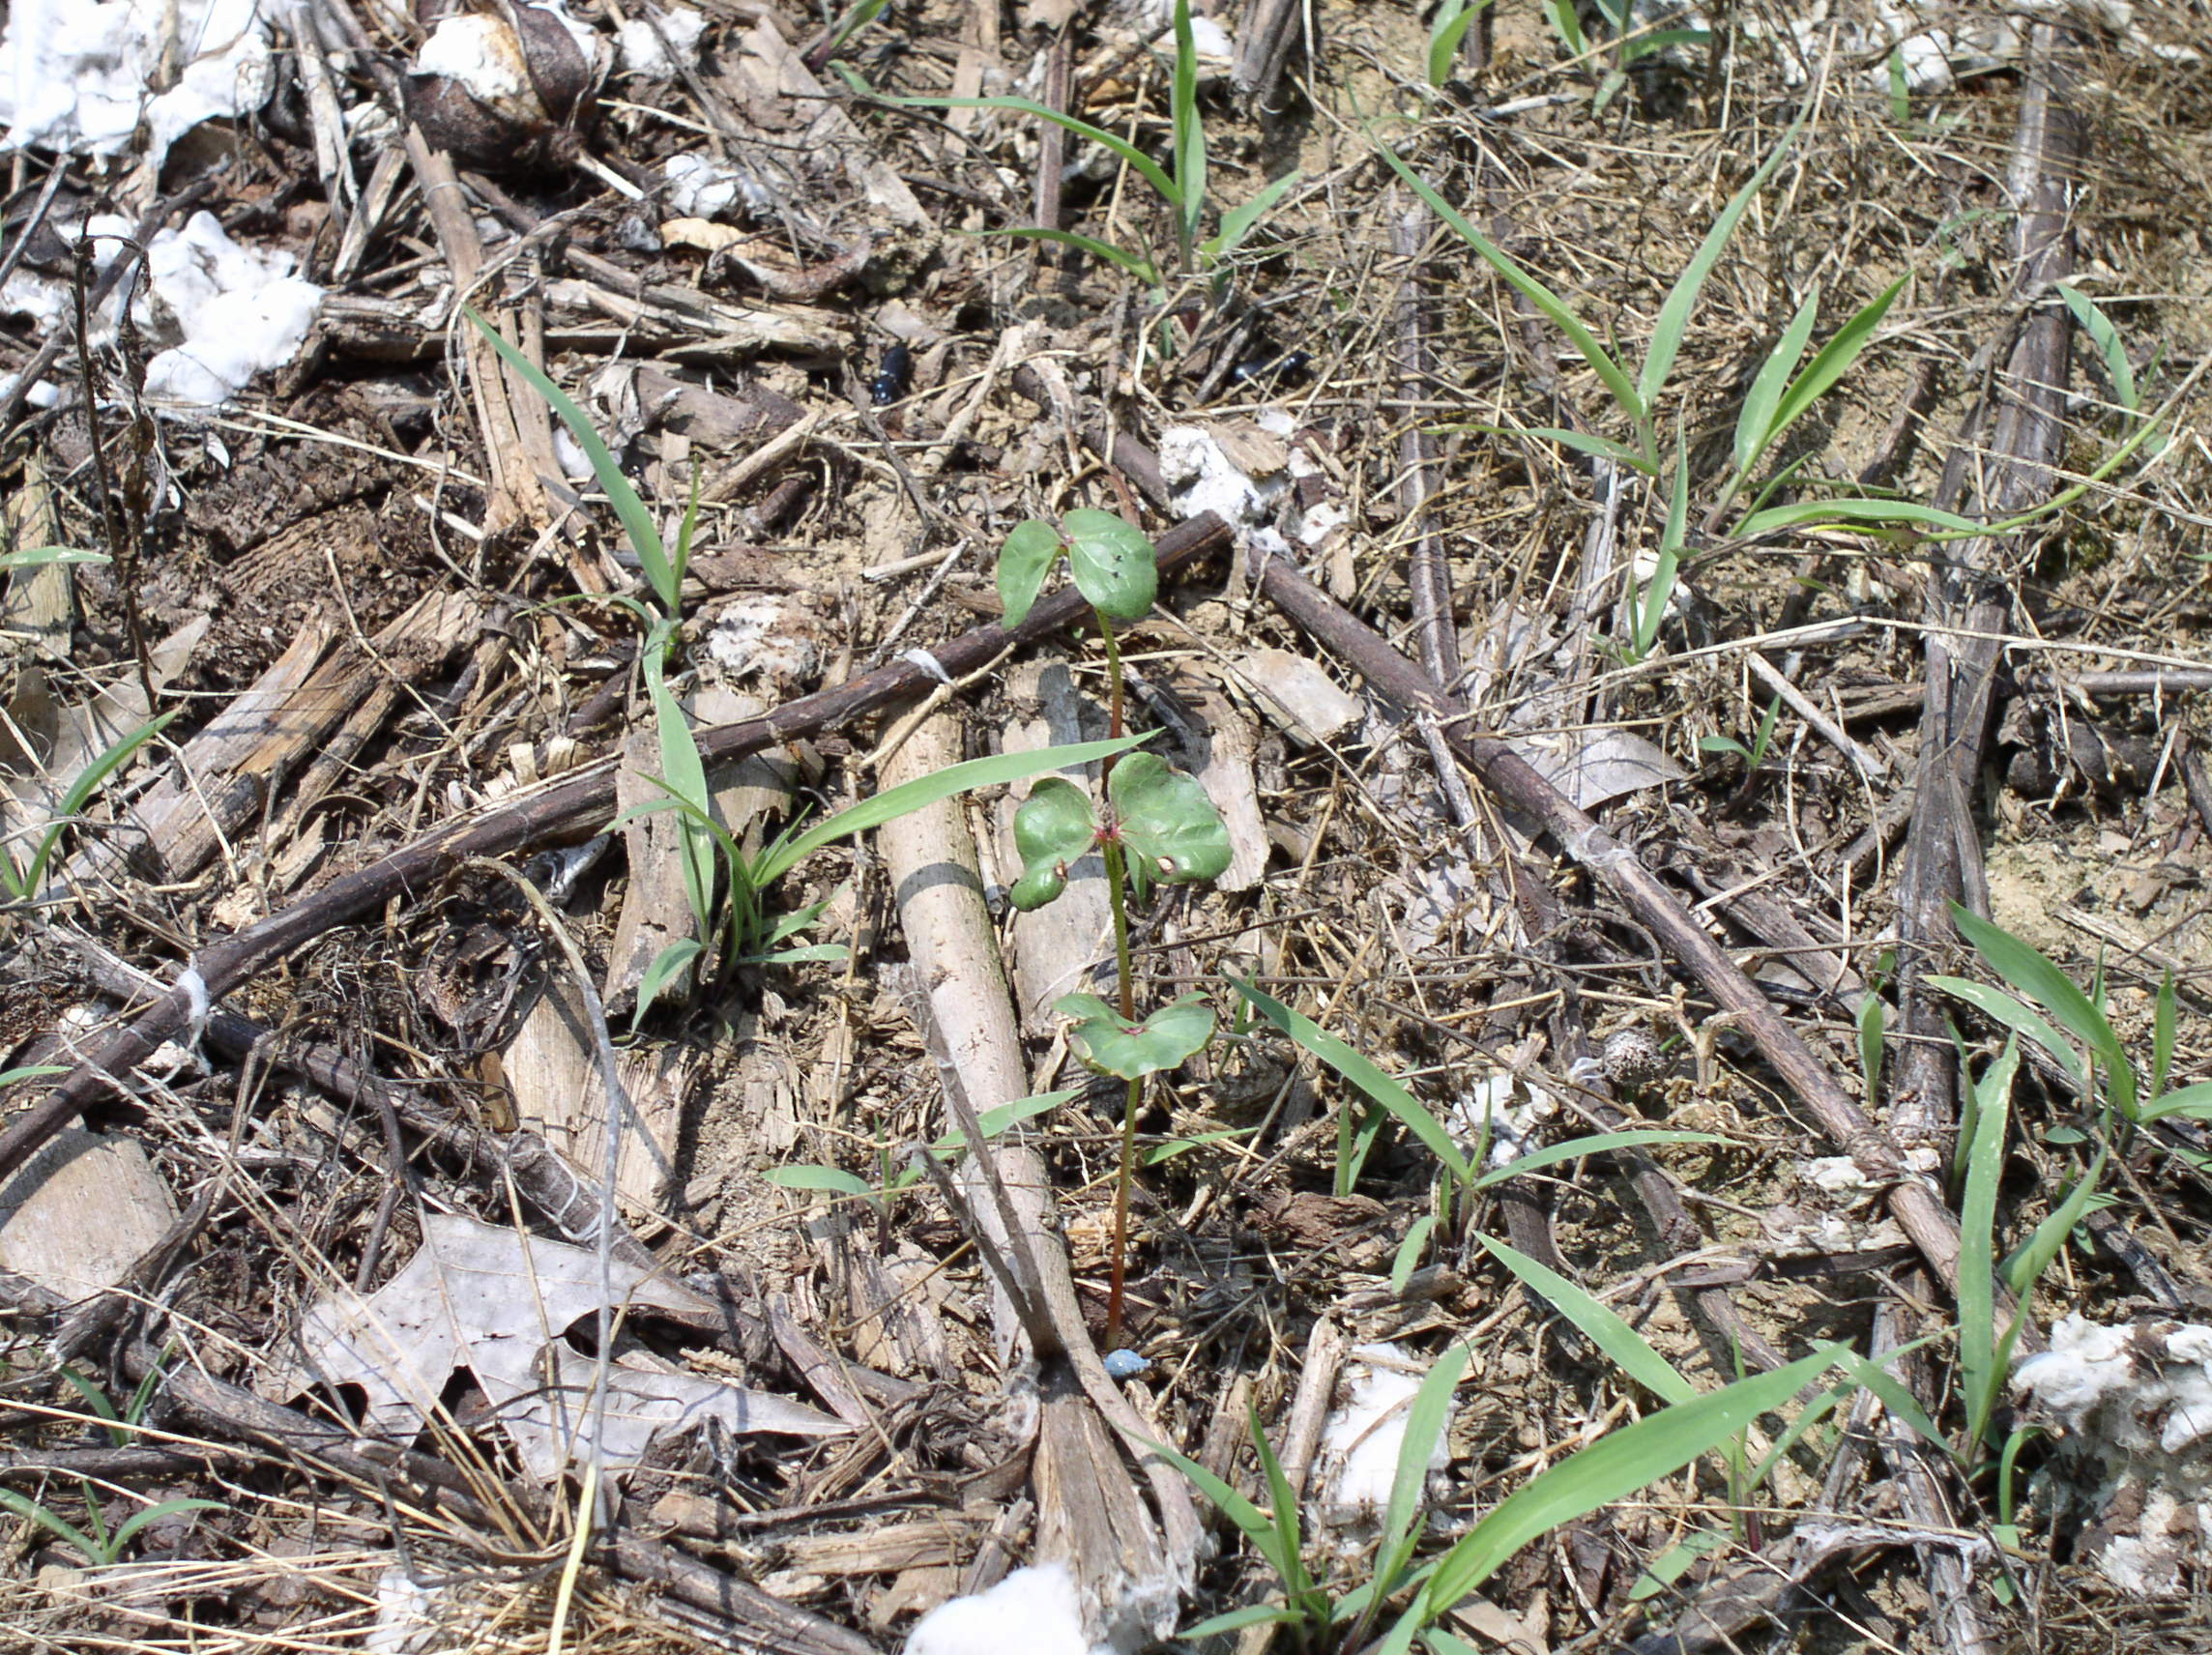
x=83, y=1211
x=926, y=1542
x=1057, y=948
x=1225, y=773
x=552, y=1068
x=41, y=602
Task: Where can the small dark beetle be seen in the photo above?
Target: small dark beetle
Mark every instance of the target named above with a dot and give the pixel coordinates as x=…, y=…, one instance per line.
x=1291, y=364
x=894, y=379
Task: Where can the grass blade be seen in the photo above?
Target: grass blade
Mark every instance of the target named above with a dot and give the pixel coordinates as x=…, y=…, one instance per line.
x=2195, y=1101
x=1827, y=513
x=1454, y=17
x=1674, y=314
x=684, y=775
x=24, y=1506
x=1189, y=136
x=2025, y=1267
x=1409, y=1112
x=1609, y=1469
x=87, y=782
x=636, y=521
x=1583, y=442
x=1139, y=163
x=1425, y=1421
x=1597, y=1143
x=1832, y=361
x=2110, y=345
x=1238, y=222
x=2031, y=974
x=1616, y=381
x=1289, y=1554
x=1623, y=1346
x=666, y=967
x=1755, y=423
x=1135, y=264
x=138, y=1519
x=894, y=802
x=2019, y=1017
x=1977, y=1244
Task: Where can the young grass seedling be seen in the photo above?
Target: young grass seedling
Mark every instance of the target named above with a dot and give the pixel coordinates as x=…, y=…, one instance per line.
x=98, y=1544
x=1613, y=1467
x=1181, y=186
x=1391, y=1098
x=1158, y=825
x=24, y=880
x=1447, y=32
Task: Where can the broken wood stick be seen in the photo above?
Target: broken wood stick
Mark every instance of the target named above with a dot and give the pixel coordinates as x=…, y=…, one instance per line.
x=1917, y=1206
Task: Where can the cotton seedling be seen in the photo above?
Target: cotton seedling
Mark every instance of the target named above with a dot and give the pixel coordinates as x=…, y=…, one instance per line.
x=726, y=886
x=1158, y=827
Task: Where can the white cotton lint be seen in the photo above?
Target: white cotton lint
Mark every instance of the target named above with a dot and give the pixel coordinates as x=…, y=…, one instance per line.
x=1032, y=1612
x=240, y=312
x=1363, y=1437
x=77, y=76
x=646, y=51
x=479, y=52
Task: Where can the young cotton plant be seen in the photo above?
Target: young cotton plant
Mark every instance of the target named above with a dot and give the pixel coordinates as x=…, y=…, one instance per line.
x=1158, y=827
x=726, y=886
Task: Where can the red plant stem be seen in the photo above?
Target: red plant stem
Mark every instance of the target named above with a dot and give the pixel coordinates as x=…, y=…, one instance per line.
x=1126, y=979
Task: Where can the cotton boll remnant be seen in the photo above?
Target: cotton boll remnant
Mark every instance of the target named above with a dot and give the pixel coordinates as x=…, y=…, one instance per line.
x=2135, y=1406
x=235, y=311
x=645, y=50
x=703, y=188
x=77, y=76
x=1235, y=469
x=1507, y=1110
x=505, y=88
x=1032, y=1612
x=1362, y=1439
x=774, y=635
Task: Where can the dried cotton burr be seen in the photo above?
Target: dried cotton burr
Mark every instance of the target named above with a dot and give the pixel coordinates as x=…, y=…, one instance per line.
x=507, y=87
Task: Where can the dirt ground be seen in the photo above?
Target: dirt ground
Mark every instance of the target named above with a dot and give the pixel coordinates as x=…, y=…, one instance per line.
x=1574, y=809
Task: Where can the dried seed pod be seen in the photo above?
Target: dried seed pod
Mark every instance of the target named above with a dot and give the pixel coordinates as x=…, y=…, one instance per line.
x=507, y=87
x=1632, y=1058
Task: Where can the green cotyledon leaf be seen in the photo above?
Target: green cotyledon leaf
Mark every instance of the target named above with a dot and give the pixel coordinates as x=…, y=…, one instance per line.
x=1165, y=817
x=1053, y=828
x=1129, y=1050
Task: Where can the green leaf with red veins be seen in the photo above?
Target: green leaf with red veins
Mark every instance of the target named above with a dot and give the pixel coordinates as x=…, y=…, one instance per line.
x=1111, y=1043
x=1053, y=828
x=1167, y=821
x=1116, y=566
x=1025, y=561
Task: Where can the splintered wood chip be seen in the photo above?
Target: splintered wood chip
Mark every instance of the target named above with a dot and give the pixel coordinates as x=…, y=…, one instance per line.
x=481, y=1297
x=1299, y=695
